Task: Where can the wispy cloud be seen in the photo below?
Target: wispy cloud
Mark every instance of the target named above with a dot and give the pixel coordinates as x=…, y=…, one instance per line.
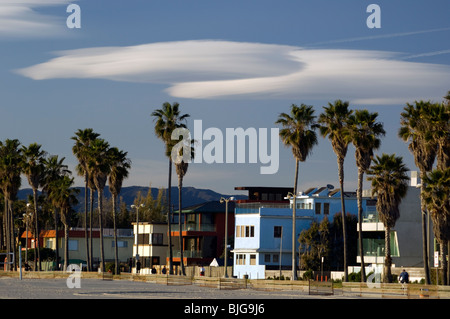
x=18, y=18
x=221, y=69
x=426, y=54
x=376, y=37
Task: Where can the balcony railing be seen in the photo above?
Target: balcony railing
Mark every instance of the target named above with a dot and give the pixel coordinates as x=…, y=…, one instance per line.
x=188, y=253
x=195, y=227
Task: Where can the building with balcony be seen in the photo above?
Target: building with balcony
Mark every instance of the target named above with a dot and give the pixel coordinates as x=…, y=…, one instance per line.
x=203, y=232
x=263, y=234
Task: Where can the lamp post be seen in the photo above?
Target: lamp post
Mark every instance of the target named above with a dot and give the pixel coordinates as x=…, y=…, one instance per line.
x=226, y=200
x=26, y=217
x=137, y=228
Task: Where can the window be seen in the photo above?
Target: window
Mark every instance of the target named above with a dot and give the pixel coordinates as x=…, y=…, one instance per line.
x=252, y=259
x=240, y=259
x=143, y=239
x=120, y=244
x=275, y=258
x=267, y=258
x=326, y=208
x=73, y=244
x=318, y=208
x=245, y=231
x=157, y=239
x=277, y=231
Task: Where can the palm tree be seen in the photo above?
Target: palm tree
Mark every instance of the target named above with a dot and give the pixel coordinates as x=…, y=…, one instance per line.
x=99, y=167
x=389, y=183
x=298, y=132
x=120, y=165
x=64, y=197
x=83, y=139
x=181, y=167
x=415, y=129
x=10, y=181
x=34, y=169
x=334, y=126
x=364, y=133
x=54, y=170
x=436, y=195
x=168, y=118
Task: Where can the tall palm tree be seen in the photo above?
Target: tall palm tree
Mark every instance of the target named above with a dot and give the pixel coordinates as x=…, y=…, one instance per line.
x=83, y=139
x=364, y=133
x=63, y=196
x=389, y=183
x=99, y=167
x=181, y=167
x=436, y=195
x=167, y=119
x=54, y=170
x=120, y=166
x=415, y=128
x=34, y=169
x=10, y=181
x=334, y=126
x=298, y=132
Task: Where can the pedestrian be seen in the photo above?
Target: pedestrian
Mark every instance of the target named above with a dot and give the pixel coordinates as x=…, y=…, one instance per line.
x=202, y=271
x=163, y=271
x=404, y=277
x=153, y=270
x=138, y=266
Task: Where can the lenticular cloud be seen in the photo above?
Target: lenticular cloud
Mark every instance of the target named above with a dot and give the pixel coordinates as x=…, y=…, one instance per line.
x=212, y=69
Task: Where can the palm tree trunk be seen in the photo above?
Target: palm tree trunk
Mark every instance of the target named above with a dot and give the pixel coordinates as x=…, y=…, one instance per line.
x=180, y=187
x=86, y=236
x=344, y=220
x=37, y=228
x=91, y=216
x=100, y=221
x=169, y=217
x=66, y=246
x=359, y=199
x=387, y=255
x=116, y=258
x=426, y=266
x=55, y=211
x=294, y=239
x=443, y=249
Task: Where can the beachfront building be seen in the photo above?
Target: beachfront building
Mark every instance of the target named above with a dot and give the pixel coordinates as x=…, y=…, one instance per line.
x=151, y=245
x=263, y=233
x=77, y=244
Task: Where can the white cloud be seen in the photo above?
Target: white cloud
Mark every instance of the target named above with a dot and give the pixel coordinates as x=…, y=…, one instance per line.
x=218, y=69
x=18, y=18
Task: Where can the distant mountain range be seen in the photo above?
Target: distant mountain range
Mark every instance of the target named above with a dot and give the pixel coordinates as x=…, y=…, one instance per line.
x=191, y=195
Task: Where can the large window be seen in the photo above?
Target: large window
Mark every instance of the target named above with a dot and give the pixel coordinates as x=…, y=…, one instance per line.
x=157, y=239
x=240, y=259
x=245, y=231
x=318, y=208
x=277, y=230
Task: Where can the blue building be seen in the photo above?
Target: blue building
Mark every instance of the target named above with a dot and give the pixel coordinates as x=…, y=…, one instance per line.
x=263, y=233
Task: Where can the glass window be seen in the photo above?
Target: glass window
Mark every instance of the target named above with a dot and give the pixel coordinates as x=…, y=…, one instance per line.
x=277, y=231
x=318, y=208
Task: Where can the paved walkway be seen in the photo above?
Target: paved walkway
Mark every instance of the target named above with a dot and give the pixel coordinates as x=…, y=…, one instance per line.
x=104, y=289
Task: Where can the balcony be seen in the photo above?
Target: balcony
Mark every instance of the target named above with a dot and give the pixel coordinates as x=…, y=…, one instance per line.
x=194, y=228
x=187, y=254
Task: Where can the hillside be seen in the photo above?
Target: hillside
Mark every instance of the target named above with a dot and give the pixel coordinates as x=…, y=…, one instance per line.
x=191, y=195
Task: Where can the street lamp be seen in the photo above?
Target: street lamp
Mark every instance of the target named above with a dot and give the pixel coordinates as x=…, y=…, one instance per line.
x=137, y=228
x=26, y=217
x=226, y=200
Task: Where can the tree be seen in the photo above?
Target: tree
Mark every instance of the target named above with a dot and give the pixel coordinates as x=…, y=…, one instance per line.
x=181, y=167
x=415, y=128
x=83, y=140
x=54, y=169
x=364, y=133
x=120, y=166
x=334, y=126
x=10, y=181
x=389, y=183
x=34, y=169
x=64, y=197
x=167, y=119
x=298, y=132
x=99, y=167
x=436, y=196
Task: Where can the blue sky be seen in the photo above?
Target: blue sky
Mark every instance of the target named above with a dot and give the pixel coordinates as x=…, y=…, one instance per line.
x=228, y=63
